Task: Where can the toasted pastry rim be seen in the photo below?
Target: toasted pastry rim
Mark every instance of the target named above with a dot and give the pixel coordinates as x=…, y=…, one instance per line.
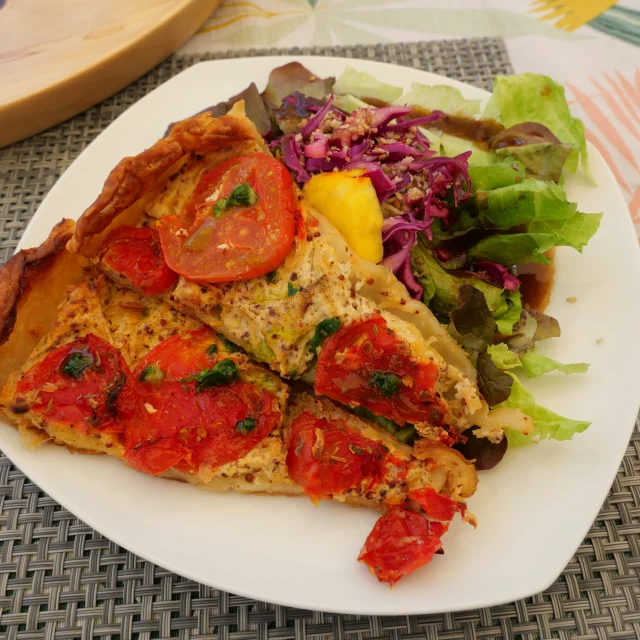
x=135, y=177
x=17, y=271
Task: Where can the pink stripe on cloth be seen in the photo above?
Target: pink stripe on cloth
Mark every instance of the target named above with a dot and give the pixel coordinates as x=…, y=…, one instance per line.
x=617, y=110
x=604, y=125
x=631, y=107
x=592, y=138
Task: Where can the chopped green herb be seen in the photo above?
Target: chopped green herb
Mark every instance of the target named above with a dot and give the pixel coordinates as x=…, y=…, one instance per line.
x=356, y=450
x=229, y=347
x=225, y=372
x=387, y=384
x=385, y=423
x=323, y=331
x=212, y=350
x=246, y=425
x=76, y=363
x=219, y=207
x=291, y=290
x=272, y=277
x=153, y=373
x=292, y=374
x=406, y=435
x=242, y=196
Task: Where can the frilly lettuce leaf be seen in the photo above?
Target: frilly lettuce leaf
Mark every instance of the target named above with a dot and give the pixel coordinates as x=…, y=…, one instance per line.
x=508, y=311
x=494, y=384
x=523, y=203
x=529, y=97
x=515, y=248
x=441, y=288
x=543, y=160
x=494, y=176
x=440, y=97
x=575, y=231
x=546, y=326
x=533, y=363
x=472, y=323
x=364, y=85
x=503, y=357
x=548, y=425
x=291, y=77
x=441, y=291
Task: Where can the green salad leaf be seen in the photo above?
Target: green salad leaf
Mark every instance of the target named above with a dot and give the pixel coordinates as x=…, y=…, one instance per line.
x=533, y=363
x=575, y=231
x=441, y=291
x=548, y=425
x=472, y=323
x=364, y=85
x=508, y=311
x=529, y=97
x=543, y=160
x=494, y=176
x=546, y=326
x=503, y=357
x=494, y=384
x=514, y=248
x=524, y=202
x=440, y=97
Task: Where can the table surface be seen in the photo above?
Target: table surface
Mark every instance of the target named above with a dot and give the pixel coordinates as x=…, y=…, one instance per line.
x=61, y=579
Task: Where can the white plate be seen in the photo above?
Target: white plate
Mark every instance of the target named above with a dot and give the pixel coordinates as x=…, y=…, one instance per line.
x=534, y=508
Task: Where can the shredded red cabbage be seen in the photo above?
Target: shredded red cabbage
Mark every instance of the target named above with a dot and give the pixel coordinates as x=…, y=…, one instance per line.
x=499, y=275
x=396, y=157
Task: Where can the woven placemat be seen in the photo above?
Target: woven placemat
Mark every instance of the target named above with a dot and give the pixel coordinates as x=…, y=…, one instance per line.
x=61, y=579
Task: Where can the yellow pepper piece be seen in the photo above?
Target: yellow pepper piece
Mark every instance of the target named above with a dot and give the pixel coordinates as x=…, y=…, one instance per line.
x=349, y=201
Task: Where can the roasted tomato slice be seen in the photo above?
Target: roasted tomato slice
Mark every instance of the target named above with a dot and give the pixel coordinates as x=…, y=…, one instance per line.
x=197, y=411
x=400, y=542
x=326, y=458
x=134, y=254
x=365, y=363
x=239, y=223
x=85, y=384
x=435, y=505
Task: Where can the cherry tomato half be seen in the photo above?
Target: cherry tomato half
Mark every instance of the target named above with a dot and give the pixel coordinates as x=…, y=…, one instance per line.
x=436, y=505
x=365, y=363
x=217, y=242
x=85, y=384
x=325, y=457
x=135, y=254
x=193, y=416
x=400, y=542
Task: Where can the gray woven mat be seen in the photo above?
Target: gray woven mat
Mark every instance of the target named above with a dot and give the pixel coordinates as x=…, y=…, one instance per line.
x=60, y=579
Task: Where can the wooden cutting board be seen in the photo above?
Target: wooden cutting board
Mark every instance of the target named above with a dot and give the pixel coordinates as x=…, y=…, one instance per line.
x=59, y=57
